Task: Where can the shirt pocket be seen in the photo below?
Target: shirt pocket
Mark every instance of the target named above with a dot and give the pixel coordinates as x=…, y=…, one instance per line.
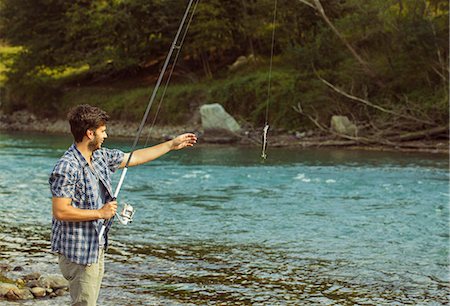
x=80, y=195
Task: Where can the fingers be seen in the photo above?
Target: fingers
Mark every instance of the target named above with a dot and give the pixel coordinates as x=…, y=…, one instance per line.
x=185, y=140
x=190, y=138
x=109, y=210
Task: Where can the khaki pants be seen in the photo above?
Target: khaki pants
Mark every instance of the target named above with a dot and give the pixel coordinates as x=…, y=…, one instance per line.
x=84, y=280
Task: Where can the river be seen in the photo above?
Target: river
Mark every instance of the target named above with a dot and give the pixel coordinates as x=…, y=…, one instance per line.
x=216, y=226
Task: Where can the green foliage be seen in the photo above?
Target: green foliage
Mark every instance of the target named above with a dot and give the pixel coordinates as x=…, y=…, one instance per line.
x=402, y=45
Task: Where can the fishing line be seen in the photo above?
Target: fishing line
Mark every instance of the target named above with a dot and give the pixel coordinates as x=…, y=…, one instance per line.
x=171, y=71
x=128, y=211
x=266, y=125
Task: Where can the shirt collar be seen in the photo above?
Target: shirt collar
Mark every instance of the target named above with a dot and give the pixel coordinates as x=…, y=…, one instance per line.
x=79, y=156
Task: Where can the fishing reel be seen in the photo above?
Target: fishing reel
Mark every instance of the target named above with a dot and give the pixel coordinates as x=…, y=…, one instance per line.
x=126, y=215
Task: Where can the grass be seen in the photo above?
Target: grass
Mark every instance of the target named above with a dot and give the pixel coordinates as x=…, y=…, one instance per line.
x=6, y=57
x=62, y=72
x=243, y=95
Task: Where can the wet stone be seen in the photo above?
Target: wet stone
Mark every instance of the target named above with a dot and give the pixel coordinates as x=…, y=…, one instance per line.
x=60, y=292
x=321, y=301
x=332, y=289
x=53, y=281
x=33, y=283
x=19, y=294
x=32, y=276
x=5, y=268
x=38, y=291
x=5, y=287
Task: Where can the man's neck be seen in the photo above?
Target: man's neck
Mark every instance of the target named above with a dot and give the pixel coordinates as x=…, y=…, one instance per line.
x=84, y=150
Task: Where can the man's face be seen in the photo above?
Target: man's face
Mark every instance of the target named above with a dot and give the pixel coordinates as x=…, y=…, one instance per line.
x=99, y=136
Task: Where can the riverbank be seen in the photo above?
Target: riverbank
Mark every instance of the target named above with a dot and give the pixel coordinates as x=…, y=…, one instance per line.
x=30, y=286
x=23, y=121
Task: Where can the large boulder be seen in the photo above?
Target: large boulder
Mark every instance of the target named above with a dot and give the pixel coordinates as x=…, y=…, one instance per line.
x=214, y=117
x=218, y=125
x=342, y=125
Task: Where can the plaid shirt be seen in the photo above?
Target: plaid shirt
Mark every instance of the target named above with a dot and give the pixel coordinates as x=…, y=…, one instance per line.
x=72, y=178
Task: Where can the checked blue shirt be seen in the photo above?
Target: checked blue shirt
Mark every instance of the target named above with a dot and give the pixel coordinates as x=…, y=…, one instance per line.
x=72, y=178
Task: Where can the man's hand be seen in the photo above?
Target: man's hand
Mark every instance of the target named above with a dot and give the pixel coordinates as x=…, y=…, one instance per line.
x=183, y=141
x=108, y=210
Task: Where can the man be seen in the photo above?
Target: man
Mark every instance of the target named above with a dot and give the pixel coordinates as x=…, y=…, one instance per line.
x=82, y=198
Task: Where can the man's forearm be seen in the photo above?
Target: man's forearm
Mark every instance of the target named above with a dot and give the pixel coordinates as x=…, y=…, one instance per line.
x=73, y=214
x=145, y=155
x=64, y=211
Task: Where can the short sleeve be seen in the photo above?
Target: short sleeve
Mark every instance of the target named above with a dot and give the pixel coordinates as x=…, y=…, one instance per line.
x=114, y=158
x=62, y=180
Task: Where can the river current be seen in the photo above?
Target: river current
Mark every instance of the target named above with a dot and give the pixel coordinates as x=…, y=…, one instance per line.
x=216, y=226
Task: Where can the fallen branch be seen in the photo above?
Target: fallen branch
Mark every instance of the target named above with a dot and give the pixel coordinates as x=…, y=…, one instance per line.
x=420, y=134
x=378, y=138
x=368, y=103
x=299, y=110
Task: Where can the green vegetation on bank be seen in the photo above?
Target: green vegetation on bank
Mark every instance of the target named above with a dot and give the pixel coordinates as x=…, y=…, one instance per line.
x=244, y=94
x=381, y=63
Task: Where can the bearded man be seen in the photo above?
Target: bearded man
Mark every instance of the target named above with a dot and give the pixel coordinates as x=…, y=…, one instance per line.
x=82, y=198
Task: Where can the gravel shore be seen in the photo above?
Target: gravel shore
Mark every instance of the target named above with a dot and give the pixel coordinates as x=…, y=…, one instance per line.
x=24, y=121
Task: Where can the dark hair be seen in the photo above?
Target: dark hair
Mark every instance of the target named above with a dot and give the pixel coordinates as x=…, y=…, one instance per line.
x=85, y=117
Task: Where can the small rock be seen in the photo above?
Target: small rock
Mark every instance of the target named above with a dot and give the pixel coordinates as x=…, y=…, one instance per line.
x=241, y=61
x=18, y=268
x=53, y=281
x=33, y=283
x=38, y=291
x=300, y=134
x=19, y=294
x=49, y=290
x=5, y=287
x=342, y=125
x=20, y=282
x=60, y=292
x=32, y=276
x=52, y=295
x=5, y=268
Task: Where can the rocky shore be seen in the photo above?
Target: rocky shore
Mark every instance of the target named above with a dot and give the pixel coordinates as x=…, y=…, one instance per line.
x=24, y=121
x=30, y=286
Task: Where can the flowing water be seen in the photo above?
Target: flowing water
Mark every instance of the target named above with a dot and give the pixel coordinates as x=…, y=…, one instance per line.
x=215, y=226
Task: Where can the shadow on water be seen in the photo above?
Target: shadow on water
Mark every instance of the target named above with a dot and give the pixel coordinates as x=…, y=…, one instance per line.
x=222, y=273
x=247, y=274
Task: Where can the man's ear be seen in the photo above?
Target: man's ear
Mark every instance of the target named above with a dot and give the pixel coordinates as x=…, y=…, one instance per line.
x=90, y=134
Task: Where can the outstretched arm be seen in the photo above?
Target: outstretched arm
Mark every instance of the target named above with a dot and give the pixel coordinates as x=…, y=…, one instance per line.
x=145, y=155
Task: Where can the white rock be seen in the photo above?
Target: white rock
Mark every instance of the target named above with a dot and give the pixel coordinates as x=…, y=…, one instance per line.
x=342, y=125
x=53, y=281
x=38, y=291
x=214, y=117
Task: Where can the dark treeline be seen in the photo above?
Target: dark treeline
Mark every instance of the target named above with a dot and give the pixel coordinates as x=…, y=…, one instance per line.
x=376, y=61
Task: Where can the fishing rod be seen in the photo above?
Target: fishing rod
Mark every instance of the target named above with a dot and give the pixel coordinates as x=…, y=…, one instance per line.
x=127, y=213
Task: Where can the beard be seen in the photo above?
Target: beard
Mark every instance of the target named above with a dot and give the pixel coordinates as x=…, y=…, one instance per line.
x=94, y=144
